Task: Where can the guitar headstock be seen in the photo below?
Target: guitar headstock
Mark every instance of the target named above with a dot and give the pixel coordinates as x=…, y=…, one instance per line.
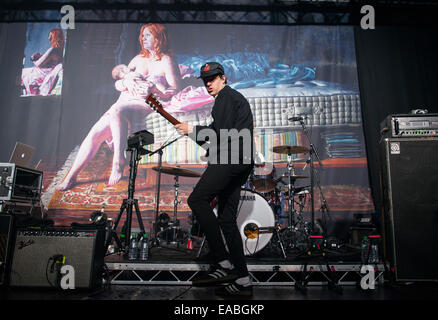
x=153, y=102
x=158, y=107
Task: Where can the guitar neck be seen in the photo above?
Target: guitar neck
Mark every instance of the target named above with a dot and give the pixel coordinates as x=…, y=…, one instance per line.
x=168, y=116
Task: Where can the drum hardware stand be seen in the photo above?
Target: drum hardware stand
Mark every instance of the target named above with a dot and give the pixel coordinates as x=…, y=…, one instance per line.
x=300, y=218
x=291, y=189
x=292, y=222
x=315, y=242
x=123, y=244
x=155, y=242
x=175, y=210
x=175, y=224
x=280, y=240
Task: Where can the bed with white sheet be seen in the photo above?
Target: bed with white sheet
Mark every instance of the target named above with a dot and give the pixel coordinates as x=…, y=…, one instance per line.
x=319, y=103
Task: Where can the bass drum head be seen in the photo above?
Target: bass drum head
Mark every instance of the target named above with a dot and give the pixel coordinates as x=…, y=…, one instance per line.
x=254, y=213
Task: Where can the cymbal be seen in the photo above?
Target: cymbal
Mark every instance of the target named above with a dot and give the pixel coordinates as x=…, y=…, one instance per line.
x=178, y=171
x=289, y=149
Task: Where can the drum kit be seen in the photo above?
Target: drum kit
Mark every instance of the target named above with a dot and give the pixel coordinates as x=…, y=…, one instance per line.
x=262, y=208
x=268, y=211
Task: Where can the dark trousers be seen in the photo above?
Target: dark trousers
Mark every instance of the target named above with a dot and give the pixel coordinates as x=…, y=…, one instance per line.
x=224, y=181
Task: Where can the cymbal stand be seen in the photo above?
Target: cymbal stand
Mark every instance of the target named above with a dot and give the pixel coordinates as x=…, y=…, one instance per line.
x=292, y=213
x=175, y=224
x=301, y=202
x=299, y=215
x=291, y=190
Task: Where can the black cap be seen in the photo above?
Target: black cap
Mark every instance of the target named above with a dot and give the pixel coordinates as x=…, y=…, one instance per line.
x=210, y=69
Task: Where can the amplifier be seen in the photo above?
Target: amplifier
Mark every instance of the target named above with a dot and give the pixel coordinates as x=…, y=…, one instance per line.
x=19, y=183
x=38, y=255
x=410, y=207
x=410, y=125
x=6, y=227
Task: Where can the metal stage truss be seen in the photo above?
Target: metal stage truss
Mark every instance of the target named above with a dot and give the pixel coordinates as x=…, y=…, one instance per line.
x=144, y=273
x=271, y=12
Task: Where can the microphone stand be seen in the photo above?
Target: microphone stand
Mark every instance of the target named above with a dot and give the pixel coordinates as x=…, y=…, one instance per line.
x=324, y=206
x=314, y=239
x=154, y=240
x=312, y=152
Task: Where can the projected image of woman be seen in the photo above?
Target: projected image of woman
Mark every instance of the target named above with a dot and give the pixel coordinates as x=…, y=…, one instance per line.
x=41, y=78
x=156, y=71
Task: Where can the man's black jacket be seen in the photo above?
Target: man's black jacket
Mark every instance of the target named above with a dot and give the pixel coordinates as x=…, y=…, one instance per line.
x=232, y=128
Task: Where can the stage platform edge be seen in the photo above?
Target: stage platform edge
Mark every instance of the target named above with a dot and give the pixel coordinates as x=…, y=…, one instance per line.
x=262, y=274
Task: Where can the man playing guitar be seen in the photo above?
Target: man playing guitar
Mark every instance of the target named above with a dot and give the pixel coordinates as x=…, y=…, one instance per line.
x=227, y=171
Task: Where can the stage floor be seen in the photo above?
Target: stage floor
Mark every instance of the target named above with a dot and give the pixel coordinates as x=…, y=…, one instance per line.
x=281, y=294
x=167, y=275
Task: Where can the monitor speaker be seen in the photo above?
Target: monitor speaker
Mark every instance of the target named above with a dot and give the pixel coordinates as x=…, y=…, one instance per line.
x=410, y=207
x=39, y=255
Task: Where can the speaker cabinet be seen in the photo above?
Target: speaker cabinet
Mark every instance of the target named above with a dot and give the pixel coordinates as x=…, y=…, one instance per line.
x=410, y=207
x=38, y=256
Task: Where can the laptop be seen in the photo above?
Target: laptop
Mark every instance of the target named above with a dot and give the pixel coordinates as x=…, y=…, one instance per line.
x=22, y=154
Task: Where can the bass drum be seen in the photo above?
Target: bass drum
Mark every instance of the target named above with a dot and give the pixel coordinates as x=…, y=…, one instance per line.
x=255, y=220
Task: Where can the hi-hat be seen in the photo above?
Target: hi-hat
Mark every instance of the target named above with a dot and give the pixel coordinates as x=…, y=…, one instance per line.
x=290, y=149
x=296, y=190
x=178, y=172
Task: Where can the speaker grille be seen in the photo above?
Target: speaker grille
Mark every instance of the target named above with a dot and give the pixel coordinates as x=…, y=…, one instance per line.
x=33, y=263
x=411, y=213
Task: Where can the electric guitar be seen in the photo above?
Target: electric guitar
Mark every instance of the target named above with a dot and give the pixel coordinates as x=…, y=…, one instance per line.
x=158, y=107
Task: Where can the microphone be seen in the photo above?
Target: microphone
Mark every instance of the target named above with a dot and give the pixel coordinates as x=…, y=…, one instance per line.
x=307, y=162
x=296, y=119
